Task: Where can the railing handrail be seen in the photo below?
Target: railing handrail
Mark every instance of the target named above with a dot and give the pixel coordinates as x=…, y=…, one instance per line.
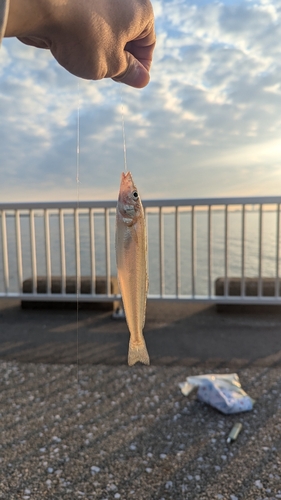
x=168, y=202
x=182, y=209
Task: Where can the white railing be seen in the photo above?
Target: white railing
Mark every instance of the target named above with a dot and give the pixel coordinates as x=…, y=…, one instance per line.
x=191, y=243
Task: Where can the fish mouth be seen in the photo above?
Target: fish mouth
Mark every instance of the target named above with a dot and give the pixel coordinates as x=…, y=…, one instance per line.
x=127, y=176
x=127, y=182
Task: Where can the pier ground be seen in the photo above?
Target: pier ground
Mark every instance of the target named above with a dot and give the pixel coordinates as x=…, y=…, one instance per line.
x=102, y=430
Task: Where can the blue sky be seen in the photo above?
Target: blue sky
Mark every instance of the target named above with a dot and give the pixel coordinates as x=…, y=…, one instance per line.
x=208, y=124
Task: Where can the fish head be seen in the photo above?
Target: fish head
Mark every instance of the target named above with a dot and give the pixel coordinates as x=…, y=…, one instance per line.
x=129, y=203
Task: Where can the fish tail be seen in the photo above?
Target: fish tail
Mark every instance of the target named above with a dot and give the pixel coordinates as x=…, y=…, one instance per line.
x=138, y=352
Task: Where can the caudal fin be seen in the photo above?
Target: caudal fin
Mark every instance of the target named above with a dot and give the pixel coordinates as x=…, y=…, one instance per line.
x=138, y=352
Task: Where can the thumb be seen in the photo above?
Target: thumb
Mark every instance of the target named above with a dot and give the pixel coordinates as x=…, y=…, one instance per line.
x=136, y=75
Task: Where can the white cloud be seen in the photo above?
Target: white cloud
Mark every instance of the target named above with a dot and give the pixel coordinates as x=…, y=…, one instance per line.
x=208, y=123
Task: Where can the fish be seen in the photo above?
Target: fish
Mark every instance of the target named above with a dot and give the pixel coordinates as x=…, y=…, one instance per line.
x=131, y=261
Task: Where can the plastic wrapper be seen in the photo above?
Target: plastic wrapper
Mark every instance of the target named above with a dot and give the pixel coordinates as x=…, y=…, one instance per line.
x=222, y=391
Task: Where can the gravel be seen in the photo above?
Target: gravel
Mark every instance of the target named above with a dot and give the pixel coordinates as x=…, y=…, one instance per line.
x=124, y=433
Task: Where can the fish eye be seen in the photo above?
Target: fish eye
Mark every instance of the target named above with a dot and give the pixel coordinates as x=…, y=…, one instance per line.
x=135, y=195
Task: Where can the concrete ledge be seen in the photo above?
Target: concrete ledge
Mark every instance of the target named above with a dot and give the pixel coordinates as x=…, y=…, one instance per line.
x=251, y=290
x=251, y=287
x=71, y=288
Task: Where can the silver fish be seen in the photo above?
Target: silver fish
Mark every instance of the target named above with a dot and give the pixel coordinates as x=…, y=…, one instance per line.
x=131, y=259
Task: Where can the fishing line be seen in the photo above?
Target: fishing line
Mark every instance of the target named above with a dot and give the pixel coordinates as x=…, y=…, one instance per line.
x=123, y=130
x=77, y=206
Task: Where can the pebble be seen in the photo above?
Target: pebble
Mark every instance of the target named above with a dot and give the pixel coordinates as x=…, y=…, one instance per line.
x=56, y=439
x=168, y=485
x=258, y=484
x=112, y=487
x=95, y=469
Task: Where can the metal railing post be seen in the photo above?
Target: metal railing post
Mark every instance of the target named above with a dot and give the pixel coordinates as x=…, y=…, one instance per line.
x=107, y=252
x=177, y=252
x=92, y=251
x=226, y=288
x=5, y=252
x=19, y=250
x=161, y=253
x=33, y=251
x=243, y=287
x=209, y=250
x=260, y=253
x=193, y=250
x=277, y=292
x=77, y=251
x=62, y=251
x=48, y=250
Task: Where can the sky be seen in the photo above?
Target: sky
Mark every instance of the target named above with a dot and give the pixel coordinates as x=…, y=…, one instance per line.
x=207, y=125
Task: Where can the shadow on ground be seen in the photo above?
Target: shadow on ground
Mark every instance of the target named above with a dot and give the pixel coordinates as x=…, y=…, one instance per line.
x=176, y=334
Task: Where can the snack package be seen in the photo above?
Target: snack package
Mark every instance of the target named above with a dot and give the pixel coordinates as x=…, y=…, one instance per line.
x=222, y=391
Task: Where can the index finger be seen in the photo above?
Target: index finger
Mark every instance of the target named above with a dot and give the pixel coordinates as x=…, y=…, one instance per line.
x=142, y=48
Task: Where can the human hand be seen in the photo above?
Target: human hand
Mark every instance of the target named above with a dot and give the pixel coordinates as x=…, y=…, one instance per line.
x=92, y=39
